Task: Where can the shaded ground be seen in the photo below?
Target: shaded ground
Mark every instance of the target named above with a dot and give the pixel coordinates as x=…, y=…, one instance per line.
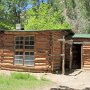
x=76, y=80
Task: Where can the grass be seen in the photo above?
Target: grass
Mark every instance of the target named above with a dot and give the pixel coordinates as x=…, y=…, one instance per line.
x=20, y=81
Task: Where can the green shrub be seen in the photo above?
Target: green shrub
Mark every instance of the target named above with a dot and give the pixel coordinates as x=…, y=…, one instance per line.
x=23, y=76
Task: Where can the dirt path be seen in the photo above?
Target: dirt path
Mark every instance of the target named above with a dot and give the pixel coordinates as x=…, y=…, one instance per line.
x=77, y=80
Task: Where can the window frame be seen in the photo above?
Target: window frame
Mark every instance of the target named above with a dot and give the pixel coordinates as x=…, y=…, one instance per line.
x=24, y=50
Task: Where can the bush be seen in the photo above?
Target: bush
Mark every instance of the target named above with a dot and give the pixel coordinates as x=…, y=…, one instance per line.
x=23, y=76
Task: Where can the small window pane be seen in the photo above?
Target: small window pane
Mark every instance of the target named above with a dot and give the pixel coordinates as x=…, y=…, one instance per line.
x=27, y=57
x=31, y=53
x=31, y=47
x=16, y=57
x=29, y=63
x=17, y=38
x=17, y=42
x=18, y=62
x=17, y=47
x=26, y=53
x=26, y=38
x=21, y=42
x=16, y=53
x=31, y=58
x=27, y=43
x=21, y=47
x=32, y=38
x=26, y=47
x=21, y=53
x=21, y=38
x=20, y=57
x=31, y=42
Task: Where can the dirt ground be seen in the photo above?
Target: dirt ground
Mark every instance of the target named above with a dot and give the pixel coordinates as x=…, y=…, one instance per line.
x=75, y=80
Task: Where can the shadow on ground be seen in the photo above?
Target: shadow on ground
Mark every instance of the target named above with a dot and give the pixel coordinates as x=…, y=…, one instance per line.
x=68, y=88
x=73, y=72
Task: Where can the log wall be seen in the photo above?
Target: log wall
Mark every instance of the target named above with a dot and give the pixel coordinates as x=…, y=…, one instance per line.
x=86, y=56
x=42, y=50
x=56, y=51
x=6, y=50
x=47, y=51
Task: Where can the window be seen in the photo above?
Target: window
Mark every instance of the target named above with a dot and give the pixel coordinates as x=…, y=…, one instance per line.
x=24, y=50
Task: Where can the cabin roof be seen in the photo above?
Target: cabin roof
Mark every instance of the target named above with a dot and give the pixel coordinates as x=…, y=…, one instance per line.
x=81, y=36
x=66, y=32
x=36, y=30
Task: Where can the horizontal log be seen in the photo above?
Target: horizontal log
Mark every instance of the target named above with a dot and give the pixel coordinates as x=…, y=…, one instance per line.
x=41, y=61
x=8, y=57
x=86, y=66
x=86, y=63
x=40, y=64
x=7, y=61
x=40, y=58
x=86, y=48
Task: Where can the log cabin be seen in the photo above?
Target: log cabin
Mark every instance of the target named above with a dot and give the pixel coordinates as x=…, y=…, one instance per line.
x=81, y=51
x=34, y=51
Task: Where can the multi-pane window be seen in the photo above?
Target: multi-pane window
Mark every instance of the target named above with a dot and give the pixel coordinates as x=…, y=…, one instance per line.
x=24, y=50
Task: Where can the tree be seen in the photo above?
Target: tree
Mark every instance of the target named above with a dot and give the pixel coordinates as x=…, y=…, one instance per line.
x=76, y=12
x=44, y=17
x=13, y=11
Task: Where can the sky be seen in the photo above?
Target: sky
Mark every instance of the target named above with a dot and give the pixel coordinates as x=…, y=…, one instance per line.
x=30, y=5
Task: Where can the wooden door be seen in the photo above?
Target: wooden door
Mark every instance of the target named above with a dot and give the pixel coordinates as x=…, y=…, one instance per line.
x=76, y=62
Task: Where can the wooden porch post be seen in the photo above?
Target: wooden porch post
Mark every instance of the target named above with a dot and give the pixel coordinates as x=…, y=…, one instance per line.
x=70, y=65
x=63, y=53
x=63, y=57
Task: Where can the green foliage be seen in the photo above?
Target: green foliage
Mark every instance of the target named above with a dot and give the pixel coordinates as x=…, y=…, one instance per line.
x=23, y=76
x=55, y=14
x=12, y=12
x=76, y=12
x=5, y=26
x=44, y=17
x=85, y=7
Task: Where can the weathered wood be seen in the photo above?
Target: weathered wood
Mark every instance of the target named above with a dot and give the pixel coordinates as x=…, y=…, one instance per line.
x=70, y=66
x=63, y=58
